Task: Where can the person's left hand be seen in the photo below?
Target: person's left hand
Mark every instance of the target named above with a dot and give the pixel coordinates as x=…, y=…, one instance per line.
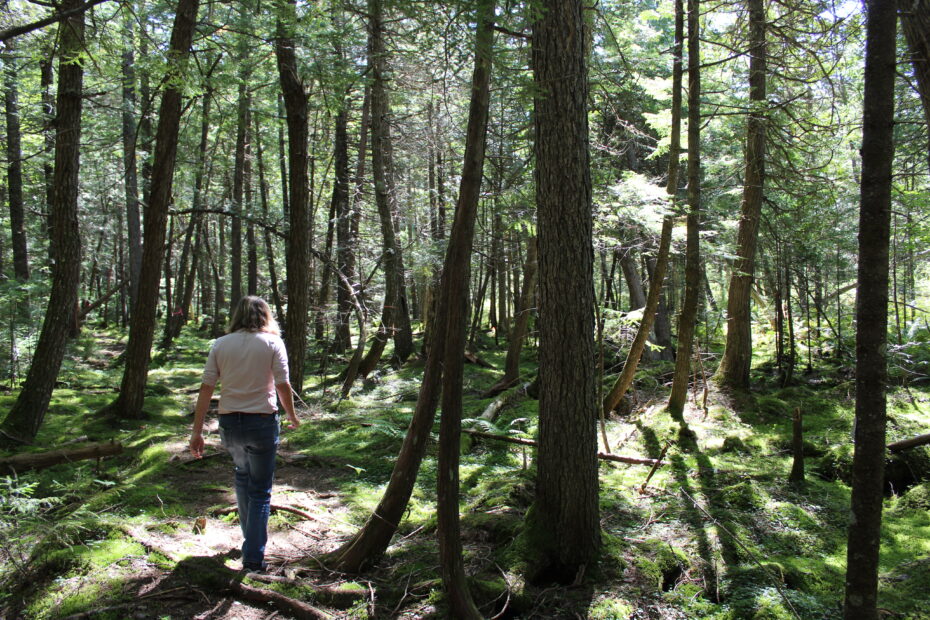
x=196, y=445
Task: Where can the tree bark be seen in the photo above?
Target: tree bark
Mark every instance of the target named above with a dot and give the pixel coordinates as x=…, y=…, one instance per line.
x=269, y=246
x=452, y=322
x=26, y=416
x=915, y=22
x=130, y=174
x=176, y=320
x=395, y=319
x=737, y=354
x=142, y=327
x=518, y=334
x=298, y=241
x=14, y=158
x=242, y=131
x=20, y=463
x=688, y=316
x=872, y=313
x=565, y=514
x=449, y=329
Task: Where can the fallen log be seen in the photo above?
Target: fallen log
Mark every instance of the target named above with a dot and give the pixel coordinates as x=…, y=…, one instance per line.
x=507, y=399
x=907, y=444
x=40, y=460
x=529, y=442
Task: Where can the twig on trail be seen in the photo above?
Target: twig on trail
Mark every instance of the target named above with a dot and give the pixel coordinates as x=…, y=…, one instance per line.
x=655, y=467
x=300, y=513
x=507, y=602
x=748, y=552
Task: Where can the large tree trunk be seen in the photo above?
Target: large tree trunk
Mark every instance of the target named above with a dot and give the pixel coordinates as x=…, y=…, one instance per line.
x=688, y=316
x=14, y=158
x=872, y=313
x=915, y=22
x=142, y=327
x=452, y=321
x=737, y=354
x=26, y=416
x=565, y=513
x=130, y=176
x=298, y=240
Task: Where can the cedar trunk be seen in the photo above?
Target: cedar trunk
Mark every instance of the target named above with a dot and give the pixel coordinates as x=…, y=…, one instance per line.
x=872, y=313
x=737, y=355
x=298, y=241
x=14, y=158
x=373, y=539
x=688, y=315
x=565, y=513
x=915, y=22
x=452, y=320
x=142, y=327
x=26, y=416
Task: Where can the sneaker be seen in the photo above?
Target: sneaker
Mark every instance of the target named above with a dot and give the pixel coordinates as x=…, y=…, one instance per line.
x=254, y=568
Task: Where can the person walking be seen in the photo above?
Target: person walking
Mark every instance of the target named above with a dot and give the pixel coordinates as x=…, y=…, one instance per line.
x=250, y=364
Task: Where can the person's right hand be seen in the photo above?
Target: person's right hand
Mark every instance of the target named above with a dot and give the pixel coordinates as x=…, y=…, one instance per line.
x=292, y=421
x=196, y=445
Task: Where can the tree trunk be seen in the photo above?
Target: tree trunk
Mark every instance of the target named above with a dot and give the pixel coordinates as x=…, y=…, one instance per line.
x=14, y=158
x=737, y=355
x=634, y=281
x=347, y=235
x=131, y=180
x=26, y=416
x=395, y=320
x=142, y=327
x=338, y=205
x=177, y=320
x=872, y=313
x=915, y=22
x=452, y=322
x=625, y=380
x=688, y=316
x=565, y=514
x=298, y=241
x=235, y=241
x=269, y=246
x=46, y=79
x=373, y=539
x=518, y=334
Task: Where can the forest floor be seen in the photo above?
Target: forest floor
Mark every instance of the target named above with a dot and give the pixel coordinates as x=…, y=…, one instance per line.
x=717, y=532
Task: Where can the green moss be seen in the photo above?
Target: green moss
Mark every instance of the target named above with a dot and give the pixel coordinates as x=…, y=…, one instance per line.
x=916, y=498
x=610, y=609
x=660, y=564
x=743, y=495
x=734, y=443
x=772, y=408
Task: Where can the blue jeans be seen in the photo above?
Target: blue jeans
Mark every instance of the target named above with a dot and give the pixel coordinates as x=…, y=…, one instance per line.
x=252, y=441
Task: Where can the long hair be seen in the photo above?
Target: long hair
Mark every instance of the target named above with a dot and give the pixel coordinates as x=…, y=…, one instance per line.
x=253, y=314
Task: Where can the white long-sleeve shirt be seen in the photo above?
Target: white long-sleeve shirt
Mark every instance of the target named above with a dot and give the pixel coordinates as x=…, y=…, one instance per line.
x=247, y=365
